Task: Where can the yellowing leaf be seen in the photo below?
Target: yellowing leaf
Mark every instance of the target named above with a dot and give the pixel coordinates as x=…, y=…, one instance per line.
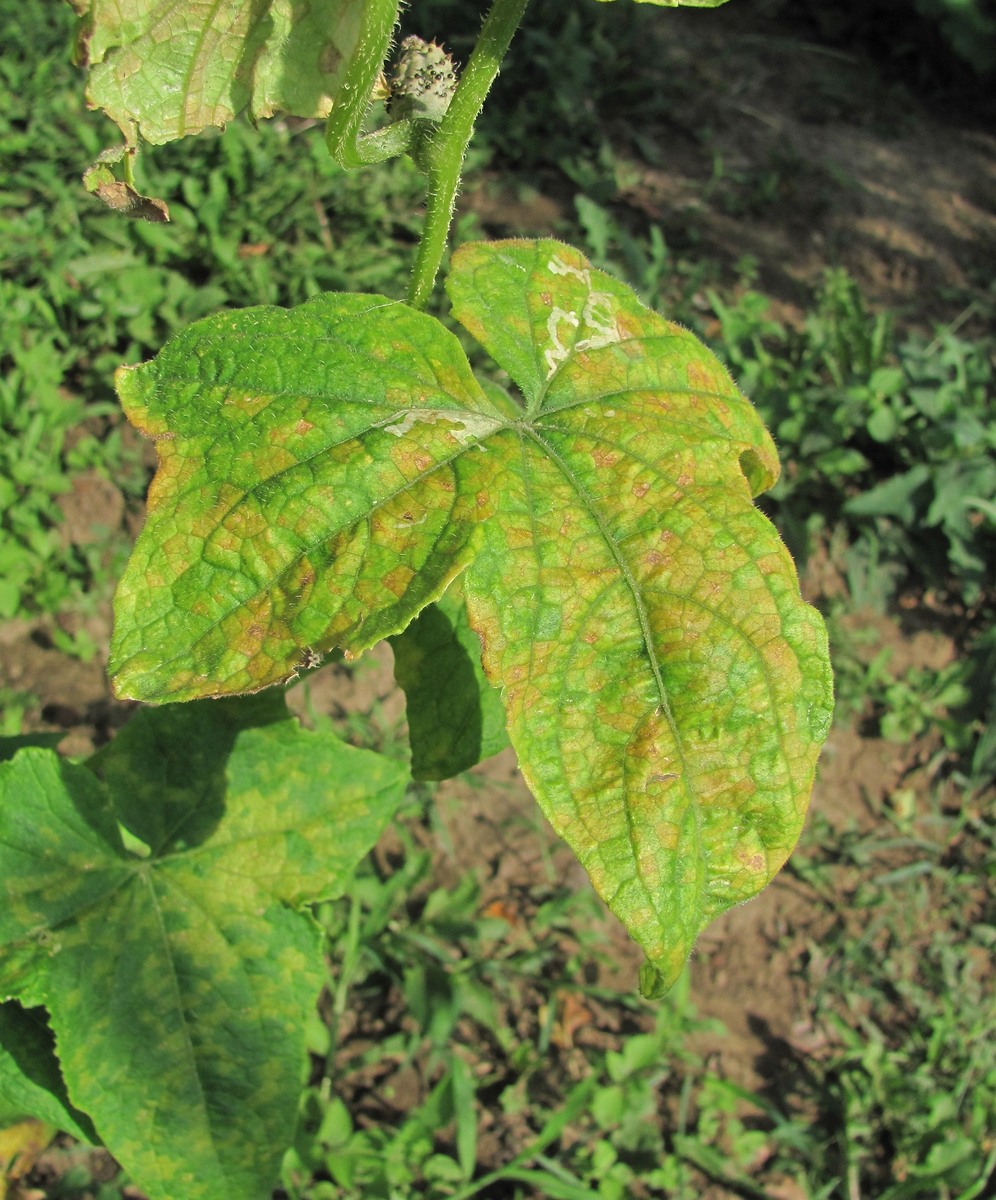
x=317, y=487
x=175, y=964
x=667, y=690
x=167, y=69
x=325, y=472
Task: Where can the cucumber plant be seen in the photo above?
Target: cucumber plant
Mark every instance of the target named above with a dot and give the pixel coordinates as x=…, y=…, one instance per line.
x=566, y=556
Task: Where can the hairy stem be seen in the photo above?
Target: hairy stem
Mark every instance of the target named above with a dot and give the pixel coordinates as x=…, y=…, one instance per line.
x=344, y=135
x=443, y=154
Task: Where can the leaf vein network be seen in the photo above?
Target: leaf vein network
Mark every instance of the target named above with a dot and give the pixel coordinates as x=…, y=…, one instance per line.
x=309, y=546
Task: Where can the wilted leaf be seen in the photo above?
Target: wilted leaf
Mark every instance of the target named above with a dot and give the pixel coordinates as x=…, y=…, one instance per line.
x=169, y=68
x=121, y=195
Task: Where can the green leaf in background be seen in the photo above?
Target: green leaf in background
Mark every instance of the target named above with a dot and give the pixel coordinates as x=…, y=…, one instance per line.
x=326, y=472
x=9, y=746
x=153, y=910
x=166, y=69
x=455, y=717
x=667, y=690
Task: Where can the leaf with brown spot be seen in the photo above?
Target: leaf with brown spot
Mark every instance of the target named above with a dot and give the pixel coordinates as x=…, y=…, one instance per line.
x=326, y=472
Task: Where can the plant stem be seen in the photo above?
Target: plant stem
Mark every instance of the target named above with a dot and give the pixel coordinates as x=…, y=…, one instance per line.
x=444, y=154
x=344, y=136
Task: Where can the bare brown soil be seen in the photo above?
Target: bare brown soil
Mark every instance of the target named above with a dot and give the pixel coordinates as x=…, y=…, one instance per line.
x=801, y=157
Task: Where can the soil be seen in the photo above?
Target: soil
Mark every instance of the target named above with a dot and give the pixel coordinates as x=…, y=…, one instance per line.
x=809, y=159
x=801, y=157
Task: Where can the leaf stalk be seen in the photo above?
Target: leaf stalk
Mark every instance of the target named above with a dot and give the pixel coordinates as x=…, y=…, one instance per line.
x=344, y=136
x=443, y=155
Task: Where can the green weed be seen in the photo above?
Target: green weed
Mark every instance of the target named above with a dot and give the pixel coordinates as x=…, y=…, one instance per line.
x=915, y=1075
x=891, y=439
x=15, y=706
x=902, y=1087
x=664, y=280
x=464, y=1086
x=460, y=1056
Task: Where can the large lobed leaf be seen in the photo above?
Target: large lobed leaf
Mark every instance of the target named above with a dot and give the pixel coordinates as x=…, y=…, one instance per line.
x=326, y=472
x=667, y=690
x=151, y=903
x=170, y=68
x=314, y=489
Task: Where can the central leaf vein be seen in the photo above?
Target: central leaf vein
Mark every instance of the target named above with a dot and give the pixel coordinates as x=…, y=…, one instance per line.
x=590, y=506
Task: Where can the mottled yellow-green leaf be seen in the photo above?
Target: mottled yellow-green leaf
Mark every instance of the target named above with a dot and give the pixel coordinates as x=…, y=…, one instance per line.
x=316, y=488
x=667, y=689
x=179, y=972
x=326, y=472
x=167, y=68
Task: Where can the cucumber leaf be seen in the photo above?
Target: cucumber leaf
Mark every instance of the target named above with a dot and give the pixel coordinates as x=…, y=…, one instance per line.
x=169, y=68
x=455, y=717
x=156, y=911
x=326, y=472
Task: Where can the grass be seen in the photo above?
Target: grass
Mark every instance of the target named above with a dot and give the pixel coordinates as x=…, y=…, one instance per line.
x=906, y=1089
x=476, y=1028
x=465, y=1046
x=890, y=438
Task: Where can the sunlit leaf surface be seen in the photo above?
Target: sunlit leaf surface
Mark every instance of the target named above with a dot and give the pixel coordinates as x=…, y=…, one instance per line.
x=326, y=472
x=174, y=67
x=317, y=487
x=667, y=690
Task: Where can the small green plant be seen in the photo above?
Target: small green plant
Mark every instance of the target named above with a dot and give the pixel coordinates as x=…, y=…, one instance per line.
x=326, y=474
x=31, y=472
x=14, y=706
x=892, y=441
x=905, y=1071
x=480, y=1028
